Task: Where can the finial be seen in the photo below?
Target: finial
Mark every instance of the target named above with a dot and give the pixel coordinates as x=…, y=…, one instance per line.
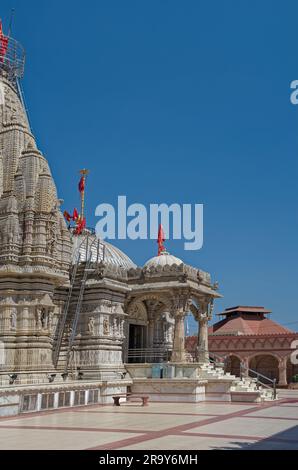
x=78, y=219
x=84, y=172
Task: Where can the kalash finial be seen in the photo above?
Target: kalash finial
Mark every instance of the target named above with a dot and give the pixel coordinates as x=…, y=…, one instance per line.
x=160, y=240
x=79, y=219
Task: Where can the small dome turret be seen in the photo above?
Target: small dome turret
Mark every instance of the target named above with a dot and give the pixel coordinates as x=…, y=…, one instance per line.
x=162, y=260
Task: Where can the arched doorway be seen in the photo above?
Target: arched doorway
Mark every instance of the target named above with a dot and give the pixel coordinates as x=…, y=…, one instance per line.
x=150, y=329
x=266, y=365
x=233, y=365
x=136, y=333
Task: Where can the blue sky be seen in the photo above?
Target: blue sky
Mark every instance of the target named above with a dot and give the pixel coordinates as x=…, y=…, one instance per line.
x=172, y=101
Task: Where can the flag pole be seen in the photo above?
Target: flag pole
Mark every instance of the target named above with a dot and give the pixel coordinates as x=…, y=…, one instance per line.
x=10, y=22
x=84, y=172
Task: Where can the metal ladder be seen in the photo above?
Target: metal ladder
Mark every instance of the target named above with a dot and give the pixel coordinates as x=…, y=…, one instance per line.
x=65, y=312
x=78, y=307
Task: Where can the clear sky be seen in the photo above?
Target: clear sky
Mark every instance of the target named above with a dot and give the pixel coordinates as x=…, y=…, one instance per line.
x=177, y=101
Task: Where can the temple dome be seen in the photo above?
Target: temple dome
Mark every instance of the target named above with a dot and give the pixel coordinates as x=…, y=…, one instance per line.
x=100, y=251
x=164, y=259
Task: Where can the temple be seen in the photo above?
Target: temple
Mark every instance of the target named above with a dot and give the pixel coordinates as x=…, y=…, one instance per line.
x=79, y=321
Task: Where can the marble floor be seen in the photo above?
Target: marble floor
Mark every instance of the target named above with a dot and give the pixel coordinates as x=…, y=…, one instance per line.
x=166, y=426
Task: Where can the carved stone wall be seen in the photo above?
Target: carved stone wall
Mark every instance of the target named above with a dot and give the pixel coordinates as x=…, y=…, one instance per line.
x=34, y=243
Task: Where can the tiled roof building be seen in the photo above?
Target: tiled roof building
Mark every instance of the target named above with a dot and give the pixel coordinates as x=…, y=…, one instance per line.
x=246, y=335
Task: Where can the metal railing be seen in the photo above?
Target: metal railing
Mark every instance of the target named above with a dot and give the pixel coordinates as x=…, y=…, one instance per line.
x=148, y=355
x=261, y=379
x=61, y=325
x=75, y=318
x=12, y=60
x=246, y=371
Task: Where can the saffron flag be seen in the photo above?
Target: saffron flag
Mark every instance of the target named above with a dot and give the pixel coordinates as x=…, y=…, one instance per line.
x=81, y=224
x=160, y=239
x=82, y=184
x=75, y=215
x=3, y=43
x=67, y=216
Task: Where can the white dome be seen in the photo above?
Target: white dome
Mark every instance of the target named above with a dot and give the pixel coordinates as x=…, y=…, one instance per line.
x=100, y=251
x=162, y=260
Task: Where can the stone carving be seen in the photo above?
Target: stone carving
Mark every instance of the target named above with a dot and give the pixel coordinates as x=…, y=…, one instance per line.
x=44, y=318
x=38, y=319
x=13, y=318
x=91, y=326
x=168, y=323
x=52, y=233
x=115, y=327
x=50, y=319
x=106, y=326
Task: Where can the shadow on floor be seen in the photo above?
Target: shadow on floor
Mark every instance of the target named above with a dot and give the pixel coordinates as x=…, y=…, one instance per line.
x=285, y=440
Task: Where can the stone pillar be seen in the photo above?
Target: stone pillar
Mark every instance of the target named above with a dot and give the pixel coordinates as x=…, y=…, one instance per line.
x=202, y=349
x=204, y=315
x=282, y=372
x=245, y=366
x=178, y=353
x=150, y=333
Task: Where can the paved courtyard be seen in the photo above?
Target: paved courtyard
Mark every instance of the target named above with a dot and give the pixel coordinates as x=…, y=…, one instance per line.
x=174, y=426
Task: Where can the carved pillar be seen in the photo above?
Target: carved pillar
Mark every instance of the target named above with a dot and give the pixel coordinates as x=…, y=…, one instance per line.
x=203, y=317
x=282, y=372
x=181, y=306
x=28, y=226
x=178, y=353
x=150, y=333
x=203, y=350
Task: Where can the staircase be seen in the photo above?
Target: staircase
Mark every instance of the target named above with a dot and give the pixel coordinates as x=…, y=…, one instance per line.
x=244, y=386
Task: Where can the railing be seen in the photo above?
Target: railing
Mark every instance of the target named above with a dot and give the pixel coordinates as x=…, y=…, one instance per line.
x=12, y=60
x=78, y=308
x=148, y=355
x=216, y=360
x=258, y=376
x=61, y=325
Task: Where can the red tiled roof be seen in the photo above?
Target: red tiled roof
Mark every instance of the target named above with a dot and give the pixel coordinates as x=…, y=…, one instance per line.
x=247, y=309
x=245, y=324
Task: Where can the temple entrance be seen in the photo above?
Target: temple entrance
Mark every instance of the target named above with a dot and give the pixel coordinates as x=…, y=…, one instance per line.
x=136, y=336
x=136, y=342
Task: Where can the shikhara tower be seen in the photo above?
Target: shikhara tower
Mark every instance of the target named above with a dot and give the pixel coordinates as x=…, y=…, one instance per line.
x=79, y=321
x=34, y=241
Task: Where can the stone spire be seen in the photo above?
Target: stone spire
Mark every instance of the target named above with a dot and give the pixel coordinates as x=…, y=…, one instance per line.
x=32, y=229
x=35, y=244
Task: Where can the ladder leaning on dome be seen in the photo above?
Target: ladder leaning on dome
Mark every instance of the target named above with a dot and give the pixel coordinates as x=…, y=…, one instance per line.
x=88, y=268
x=61, y=326
x=72, y=320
